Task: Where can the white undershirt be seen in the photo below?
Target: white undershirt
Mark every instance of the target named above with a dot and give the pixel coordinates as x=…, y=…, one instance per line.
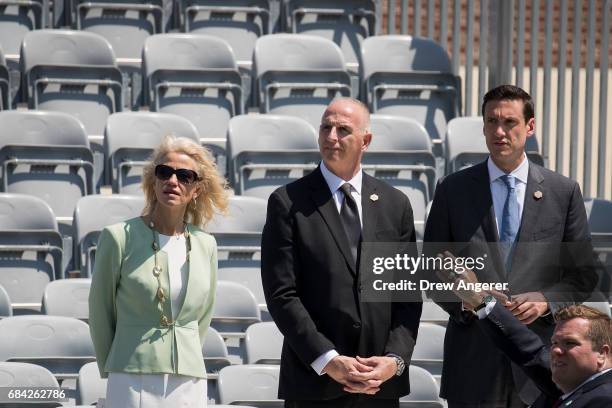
x=178, y=269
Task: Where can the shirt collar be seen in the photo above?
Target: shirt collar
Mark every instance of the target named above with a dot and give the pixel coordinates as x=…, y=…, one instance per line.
x=591, y=378
x=334, y=182
x=521, y=172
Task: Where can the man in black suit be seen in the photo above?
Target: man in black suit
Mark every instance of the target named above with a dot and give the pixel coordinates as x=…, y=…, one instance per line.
x=338, y=350
x=528, y=211
x=576, y=370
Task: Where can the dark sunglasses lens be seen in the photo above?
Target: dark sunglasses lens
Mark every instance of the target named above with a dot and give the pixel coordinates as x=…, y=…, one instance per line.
x=185, y=176
x=163, y=172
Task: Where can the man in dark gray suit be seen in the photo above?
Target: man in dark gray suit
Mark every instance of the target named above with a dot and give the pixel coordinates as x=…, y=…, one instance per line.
x=528, y=211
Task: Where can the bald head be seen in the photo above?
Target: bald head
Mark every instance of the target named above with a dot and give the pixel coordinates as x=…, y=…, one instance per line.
x=344, y=136
x=362, y=113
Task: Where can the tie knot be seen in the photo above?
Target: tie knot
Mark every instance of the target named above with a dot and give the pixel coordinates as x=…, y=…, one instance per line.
x=509, y=180
x=346, y=189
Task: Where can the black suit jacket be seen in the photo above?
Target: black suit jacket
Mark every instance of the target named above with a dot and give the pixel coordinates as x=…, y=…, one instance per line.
x=313, y=291
x=462, y=211
x=526, y=349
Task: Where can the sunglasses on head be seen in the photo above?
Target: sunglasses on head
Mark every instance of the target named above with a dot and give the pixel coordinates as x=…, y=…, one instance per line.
x=184, y=176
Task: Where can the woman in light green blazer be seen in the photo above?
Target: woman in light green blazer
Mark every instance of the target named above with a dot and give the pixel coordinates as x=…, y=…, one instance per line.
x=154, y=281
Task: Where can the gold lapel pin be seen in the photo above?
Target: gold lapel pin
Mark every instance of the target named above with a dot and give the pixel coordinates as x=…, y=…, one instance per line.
x=374, y=197
x=537, y=195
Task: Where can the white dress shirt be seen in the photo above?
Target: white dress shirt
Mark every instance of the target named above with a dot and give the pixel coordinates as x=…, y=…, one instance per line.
x=334, y=183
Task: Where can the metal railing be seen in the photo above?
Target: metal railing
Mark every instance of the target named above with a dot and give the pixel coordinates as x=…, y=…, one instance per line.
x=538, y=45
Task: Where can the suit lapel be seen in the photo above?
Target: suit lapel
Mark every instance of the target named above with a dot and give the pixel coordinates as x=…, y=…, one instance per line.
x=369, y=209
x=586, y=389
x=531, y=205
x=483, y=203
x=326, y=206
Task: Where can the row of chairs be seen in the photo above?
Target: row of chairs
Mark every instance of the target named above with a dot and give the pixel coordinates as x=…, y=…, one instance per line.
x=235, y=310
x=65, y=350
x=237, y=324
x=238, y=385
x=401, y=152
x=68, y=297
x=180, y=71
x=238, y=334
x=241, y=22
x=44, y=153
x=35, y=250
x=48, y=152
x=293, y=74
x=282, y=143
x=263, y=345
x=240, y=287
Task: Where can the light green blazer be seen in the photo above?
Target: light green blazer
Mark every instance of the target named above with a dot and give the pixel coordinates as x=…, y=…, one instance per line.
x=124, y=319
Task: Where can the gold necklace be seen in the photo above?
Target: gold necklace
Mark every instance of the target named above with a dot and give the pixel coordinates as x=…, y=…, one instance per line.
x=161, y=295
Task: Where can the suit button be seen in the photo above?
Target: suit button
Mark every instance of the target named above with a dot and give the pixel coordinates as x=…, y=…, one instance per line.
x=357, y=325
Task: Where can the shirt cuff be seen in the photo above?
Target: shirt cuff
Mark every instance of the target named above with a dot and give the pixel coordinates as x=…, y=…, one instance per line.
x=484, y=312
x=319, y=364
x=394, y=355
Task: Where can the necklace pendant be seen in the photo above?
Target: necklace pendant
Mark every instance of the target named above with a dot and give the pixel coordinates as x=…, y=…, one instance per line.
x=160, y=294
x=155, y=246
x=156, y=271
x=164, y=321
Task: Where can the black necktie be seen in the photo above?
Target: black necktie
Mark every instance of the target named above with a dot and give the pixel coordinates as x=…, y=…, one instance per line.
x=350, y=221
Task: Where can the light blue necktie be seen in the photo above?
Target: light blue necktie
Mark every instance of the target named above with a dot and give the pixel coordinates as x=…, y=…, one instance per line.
x=510, y=220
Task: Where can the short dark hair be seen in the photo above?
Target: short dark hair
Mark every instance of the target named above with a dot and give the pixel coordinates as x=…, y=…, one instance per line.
x=510, y=93
x=600, y=324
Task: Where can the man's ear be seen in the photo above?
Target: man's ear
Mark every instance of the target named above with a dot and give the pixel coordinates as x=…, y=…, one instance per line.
x=530, y=127
x=367, y=139
x=604, y=356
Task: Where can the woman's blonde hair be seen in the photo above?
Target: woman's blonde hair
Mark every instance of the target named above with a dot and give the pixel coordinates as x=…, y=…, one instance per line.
x=212, y=197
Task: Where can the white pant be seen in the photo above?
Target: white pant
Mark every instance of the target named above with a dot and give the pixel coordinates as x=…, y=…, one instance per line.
x=128, y=390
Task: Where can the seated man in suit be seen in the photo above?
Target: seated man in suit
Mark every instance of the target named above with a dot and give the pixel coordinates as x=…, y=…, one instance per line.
x=339, y=350
x=575, y=371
